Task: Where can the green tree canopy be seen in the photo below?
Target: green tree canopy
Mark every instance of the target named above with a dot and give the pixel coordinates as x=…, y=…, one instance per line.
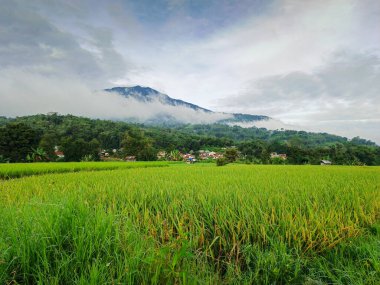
x=135, y=143
x=17, y=141
x=77, y=149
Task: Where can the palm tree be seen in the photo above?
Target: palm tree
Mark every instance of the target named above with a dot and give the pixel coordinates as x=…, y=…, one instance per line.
x=175, y=155
x=39, y=154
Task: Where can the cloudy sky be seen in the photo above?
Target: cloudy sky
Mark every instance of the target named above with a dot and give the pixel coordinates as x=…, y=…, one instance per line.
x=311, y=63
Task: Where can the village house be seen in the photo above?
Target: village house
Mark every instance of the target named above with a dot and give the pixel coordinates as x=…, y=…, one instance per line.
x=161, y=155
x=325, y=162
x=103, y=153
x=278, y=155
x=130, y=158
x=189, y=158
x=205, y=154
x=58, y=153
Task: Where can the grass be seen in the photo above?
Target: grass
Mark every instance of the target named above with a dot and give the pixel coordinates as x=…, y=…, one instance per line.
x=238, y=224
x=17, y=170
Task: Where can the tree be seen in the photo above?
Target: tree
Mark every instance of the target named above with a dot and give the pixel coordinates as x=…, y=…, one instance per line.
x=17, y=141
x=136, y=144
x=38, y=155
x=255, y=150
x=48, y=142
x=231, y=154
x=3, y=159
x=77, y=149
x=94, y=149
x=175, y=155
x=221, y=161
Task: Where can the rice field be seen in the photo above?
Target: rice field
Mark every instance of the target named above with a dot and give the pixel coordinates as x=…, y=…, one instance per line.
x=16, y=170
x=193, y=224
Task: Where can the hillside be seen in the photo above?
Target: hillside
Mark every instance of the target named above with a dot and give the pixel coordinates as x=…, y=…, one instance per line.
x=163, y=109
x=89, y=128
x=84, y=136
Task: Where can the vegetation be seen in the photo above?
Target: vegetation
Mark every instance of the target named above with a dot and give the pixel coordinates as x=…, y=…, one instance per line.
x=82, y=138
x=136, y=144
x=8, y=171
x=192, y=224
x=17, y=140
x=221, y=161
x=239, y=134
x=231, y=154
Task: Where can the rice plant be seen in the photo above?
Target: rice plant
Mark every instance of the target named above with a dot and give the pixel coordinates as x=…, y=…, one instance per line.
x=238, y=224
x=16, y=170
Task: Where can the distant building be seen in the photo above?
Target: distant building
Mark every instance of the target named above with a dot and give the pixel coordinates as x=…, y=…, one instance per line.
x=205, y=154
x=278, y=155
x=52, y=113
x=103, y=153
x=189, y=158
x=130, y=158
x=60, y=154
x=325, y=162
x=161, y=155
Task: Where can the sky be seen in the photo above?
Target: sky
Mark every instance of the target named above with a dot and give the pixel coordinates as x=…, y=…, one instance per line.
x=314, y=64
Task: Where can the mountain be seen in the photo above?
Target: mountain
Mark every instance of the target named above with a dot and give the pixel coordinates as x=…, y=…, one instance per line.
x=164, y=109
x=146, y=94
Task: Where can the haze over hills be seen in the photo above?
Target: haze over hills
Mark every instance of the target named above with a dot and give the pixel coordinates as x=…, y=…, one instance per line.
x=162, y=109
x=306, y=63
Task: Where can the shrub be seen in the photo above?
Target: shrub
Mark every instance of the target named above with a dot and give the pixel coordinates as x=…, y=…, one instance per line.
x=88, y=157
x=221, y=161
x=231, y=154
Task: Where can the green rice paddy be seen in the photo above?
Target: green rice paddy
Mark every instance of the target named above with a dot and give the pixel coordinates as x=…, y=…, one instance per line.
x=190, y=224
x=16, y=170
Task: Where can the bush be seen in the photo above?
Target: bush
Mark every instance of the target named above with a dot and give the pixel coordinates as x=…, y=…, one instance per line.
x=221, y=161
x=231, y=154
x=88, y=157
x=3, y=159
x=277, y=160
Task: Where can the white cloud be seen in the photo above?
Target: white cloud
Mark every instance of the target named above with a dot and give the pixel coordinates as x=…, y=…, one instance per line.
x=30, y=40
x=342, y=96
x=25, y=93
x=293, y=36
x=59, y=48
x=270, y=124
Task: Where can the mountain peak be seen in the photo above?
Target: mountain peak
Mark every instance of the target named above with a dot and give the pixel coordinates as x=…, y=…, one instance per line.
x=141, y=90
x=147, y=94
x=150, y=96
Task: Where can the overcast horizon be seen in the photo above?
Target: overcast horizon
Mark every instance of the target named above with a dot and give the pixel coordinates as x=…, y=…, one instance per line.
x=312, y=64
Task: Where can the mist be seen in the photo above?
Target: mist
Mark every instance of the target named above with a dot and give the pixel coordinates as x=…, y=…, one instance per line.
x=27, y=93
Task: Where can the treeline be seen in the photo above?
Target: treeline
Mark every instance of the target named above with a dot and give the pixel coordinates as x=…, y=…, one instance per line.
x=35, y=138
x=348, y=153
x=239, y=134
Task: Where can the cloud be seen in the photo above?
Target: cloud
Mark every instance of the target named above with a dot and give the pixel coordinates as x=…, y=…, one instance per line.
x=266, y=55
x=270, y=124
x=24, y=93
x=37, y=94
x=31, y=41
x=341, y=96
x=152, y=111
x=284, y=37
